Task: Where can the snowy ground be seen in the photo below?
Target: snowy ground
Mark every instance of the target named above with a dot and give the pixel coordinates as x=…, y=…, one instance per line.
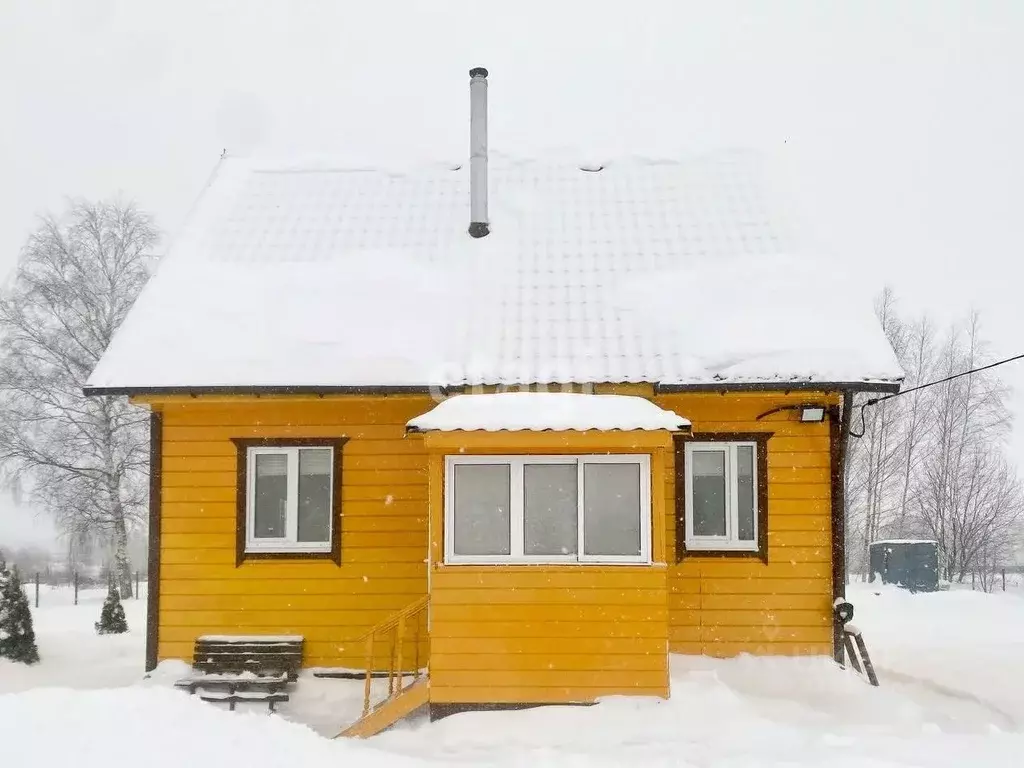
x=73, y=655
x=951, y=665
x=959, y=643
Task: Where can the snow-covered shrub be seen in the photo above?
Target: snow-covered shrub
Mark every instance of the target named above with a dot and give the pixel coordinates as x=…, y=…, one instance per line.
x=112, y=620
x=17, y=638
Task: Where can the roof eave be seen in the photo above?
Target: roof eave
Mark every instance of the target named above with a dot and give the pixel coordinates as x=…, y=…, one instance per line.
x=886, y=387
x=196, y=391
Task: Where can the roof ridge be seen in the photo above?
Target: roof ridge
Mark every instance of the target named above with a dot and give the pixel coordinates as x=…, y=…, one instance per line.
x=335, y=162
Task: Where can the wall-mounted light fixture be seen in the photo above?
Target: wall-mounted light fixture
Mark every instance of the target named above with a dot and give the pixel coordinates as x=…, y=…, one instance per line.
x=810, y=413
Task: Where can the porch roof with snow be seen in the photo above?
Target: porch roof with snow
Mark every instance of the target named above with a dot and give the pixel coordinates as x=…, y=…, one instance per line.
x=330, y=277
x=546, y=411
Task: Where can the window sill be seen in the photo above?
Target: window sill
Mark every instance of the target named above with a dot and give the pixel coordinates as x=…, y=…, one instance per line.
x=486, y=569
x=292, y=548
x=289, y=554
x=703, y=545
x=704, y=550
x=492, y=562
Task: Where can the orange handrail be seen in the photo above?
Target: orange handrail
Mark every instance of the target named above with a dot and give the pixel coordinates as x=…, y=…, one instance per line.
x=393, y=628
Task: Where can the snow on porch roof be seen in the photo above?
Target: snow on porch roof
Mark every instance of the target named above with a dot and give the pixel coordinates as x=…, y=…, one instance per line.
x=541, y=411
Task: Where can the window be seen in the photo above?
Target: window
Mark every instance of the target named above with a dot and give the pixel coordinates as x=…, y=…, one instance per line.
x=547, y=509
x=723, y=494
x=287, y=497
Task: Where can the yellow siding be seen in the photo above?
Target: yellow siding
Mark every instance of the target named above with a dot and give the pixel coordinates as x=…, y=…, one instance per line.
x=725, y=606
x=535, y=633
x=525, y=633
x=547, y=633
x=383, y=526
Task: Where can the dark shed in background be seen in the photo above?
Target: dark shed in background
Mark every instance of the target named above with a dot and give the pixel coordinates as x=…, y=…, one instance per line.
x=909, y=563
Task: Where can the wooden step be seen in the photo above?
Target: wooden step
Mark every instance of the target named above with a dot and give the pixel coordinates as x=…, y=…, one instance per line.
x=391, y=711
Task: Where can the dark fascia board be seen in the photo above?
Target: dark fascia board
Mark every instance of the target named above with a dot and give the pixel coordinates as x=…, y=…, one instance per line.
x=887, y=387
x=258, y=390
x=756, y=386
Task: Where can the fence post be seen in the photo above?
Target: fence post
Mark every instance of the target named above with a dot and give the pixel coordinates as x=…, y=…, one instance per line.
x=37, y=589
x=972, y=581
x=1004, y=579
x=76, y=587
x=136, y=585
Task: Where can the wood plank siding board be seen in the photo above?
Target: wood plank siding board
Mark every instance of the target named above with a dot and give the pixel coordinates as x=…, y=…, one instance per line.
x=572, y=632
x=724, y=606
x=382, y=532
x=586, y=618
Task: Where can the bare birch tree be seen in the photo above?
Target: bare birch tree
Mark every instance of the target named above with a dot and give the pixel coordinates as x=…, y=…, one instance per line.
x=876, y=462
x=969, y=497
x=76, y=279
x=932, y=462
x=918, y=363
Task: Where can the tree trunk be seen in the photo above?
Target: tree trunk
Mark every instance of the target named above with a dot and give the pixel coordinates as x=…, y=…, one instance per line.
x=122, y=564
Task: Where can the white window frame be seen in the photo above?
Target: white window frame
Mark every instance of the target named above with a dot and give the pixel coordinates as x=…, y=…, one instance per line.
x=729, y=542
x=289, y=542
x=517, y=509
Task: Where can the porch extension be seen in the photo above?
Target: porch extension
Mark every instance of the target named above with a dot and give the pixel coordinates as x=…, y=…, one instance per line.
x=552, y=656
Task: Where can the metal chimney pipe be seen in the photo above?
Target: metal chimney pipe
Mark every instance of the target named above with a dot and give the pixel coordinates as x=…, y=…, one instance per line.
x=479, y=224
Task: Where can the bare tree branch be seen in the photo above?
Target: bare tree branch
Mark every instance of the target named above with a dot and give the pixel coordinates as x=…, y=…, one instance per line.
x=77, y=277
x=933, y=463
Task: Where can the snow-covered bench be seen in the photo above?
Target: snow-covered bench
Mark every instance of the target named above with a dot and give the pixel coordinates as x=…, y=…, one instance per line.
x=261, y=697
x=248, y=668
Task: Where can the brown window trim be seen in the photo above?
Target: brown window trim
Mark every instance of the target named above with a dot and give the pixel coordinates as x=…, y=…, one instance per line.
x=761, y=438
x=243, y=444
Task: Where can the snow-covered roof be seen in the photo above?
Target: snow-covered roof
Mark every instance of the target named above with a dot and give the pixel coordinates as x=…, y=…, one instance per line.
x=327, y=275
x=540, y=411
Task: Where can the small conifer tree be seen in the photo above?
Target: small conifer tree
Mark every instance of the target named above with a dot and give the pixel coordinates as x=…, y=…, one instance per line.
x=17, y=638
x=112, y=620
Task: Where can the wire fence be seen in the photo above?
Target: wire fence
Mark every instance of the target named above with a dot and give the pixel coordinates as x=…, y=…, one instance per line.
x=76, y=582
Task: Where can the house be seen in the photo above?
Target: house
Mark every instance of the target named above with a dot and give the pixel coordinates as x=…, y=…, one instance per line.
x=553, y=422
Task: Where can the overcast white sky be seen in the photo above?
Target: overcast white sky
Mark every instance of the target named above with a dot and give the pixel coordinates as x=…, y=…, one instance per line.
x=901, y=123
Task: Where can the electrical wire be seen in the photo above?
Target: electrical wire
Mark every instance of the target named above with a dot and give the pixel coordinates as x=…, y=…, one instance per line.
x=877, y=400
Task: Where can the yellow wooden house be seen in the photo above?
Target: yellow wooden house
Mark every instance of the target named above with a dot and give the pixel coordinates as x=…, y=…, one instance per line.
x=538, y=423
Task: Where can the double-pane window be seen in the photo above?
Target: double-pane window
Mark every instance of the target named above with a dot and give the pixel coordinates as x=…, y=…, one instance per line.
x=548, y=509
x=289, y=499
x=721, y=496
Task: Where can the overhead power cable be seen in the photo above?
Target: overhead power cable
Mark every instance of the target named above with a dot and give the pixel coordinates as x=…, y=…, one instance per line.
x=877, y=400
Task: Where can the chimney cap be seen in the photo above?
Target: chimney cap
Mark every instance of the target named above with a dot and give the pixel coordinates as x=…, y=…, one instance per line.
x=478, y=72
